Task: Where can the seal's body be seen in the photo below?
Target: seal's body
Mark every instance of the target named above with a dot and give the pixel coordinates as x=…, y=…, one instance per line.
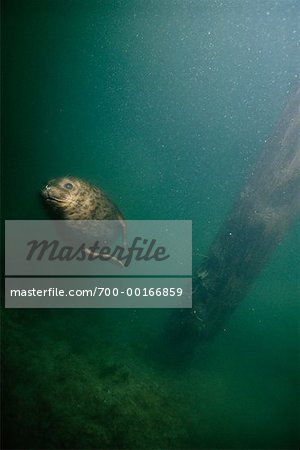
x=78, y=201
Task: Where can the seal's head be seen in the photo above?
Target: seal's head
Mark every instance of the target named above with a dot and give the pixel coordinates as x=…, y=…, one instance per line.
x=72, y=198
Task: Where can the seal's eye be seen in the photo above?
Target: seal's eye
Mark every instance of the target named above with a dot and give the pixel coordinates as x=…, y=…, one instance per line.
x=68, y=186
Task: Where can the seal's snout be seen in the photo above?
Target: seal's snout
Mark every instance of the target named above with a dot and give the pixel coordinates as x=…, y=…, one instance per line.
x=47, y=192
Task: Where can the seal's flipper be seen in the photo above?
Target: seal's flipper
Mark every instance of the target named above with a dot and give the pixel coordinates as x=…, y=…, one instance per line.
x=124, y=231
x=113, y=259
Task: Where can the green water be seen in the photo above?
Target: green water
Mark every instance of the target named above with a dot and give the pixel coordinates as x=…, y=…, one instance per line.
x=165, y=104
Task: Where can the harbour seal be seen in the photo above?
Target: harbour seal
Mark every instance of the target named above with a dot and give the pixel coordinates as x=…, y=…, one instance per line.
x=77, y=201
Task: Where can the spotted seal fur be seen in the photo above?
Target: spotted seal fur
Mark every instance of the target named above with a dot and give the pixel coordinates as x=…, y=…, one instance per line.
x=76, y=200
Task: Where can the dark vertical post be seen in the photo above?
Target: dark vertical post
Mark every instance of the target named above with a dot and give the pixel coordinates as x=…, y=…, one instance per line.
x=258, y=221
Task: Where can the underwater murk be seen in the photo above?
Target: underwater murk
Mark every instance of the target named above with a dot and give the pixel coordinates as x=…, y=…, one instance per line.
x=166, y=105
